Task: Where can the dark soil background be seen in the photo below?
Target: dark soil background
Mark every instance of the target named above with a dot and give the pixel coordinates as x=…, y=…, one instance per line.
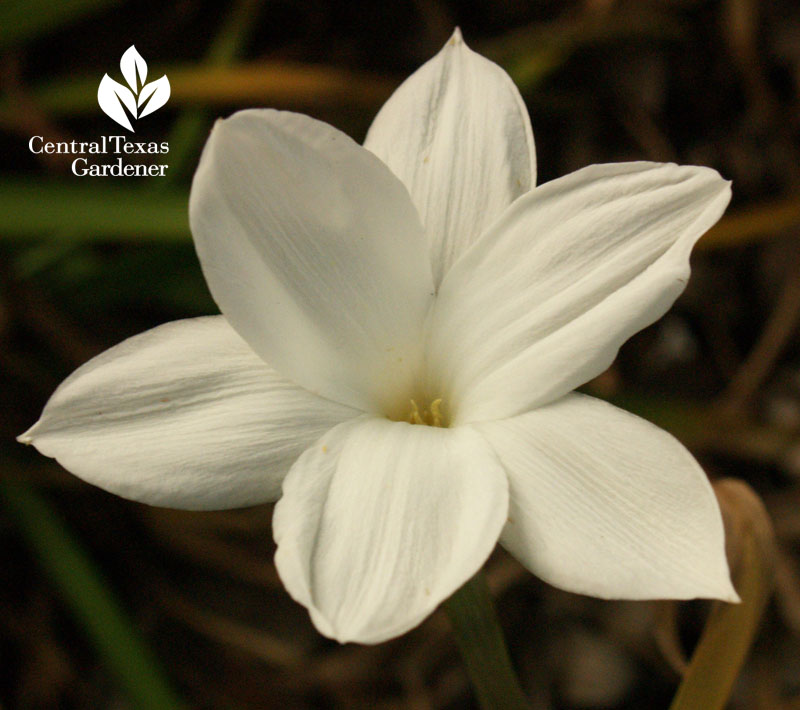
x=703, y=82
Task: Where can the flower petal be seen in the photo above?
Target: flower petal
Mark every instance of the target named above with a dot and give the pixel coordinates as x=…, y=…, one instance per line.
x=314, y=253
x=544, y=299
x=606, y=504
x=457, y=134
x=185, y=415
x=381, y=521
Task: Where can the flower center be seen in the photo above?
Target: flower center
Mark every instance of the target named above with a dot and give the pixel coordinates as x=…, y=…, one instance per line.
x=429, y=415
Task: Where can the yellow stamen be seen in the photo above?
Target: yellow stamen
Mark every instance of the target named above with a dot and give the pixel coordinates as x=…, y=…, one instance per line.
x=436, y=412
x=429, y=416
x=415, y=417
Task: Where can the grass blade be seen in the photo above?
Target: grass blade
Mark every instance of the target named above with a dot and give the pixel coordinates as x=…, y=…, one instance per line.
x=89, y=598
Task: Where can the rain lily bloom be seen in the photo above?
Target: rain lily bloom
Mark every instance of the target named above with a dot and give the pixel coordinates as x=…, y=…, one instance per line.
x=403, y=327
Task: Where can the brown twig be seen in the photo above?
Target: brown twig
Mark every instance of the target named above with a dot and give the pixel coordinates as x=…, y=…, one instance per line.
x=782, y=323
x=230, y=633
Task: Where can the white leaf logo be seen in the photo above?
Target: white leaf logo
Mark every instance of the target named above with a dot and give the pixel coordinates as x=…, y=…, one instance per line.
x=132, y=64
x=153, y=96
x=140, y=99
x=112, y=96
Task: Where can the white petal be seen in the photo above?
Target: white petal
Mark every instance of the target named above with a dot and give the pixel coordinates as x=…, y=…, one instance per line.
x=606, y=504
x=185, y=415
x=544, y=299
x=457, y=134
x=314, y=253
x=381, y=521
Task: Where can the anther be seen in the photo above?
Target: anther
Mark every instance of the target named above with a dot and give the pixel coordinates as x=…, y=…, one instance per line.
x=436, y=412
x=430, y=416
x=414, y=417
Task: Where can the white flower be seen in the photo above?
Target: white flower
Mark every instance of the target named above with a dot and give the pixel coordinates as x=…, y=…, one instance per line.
x=420, y=278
